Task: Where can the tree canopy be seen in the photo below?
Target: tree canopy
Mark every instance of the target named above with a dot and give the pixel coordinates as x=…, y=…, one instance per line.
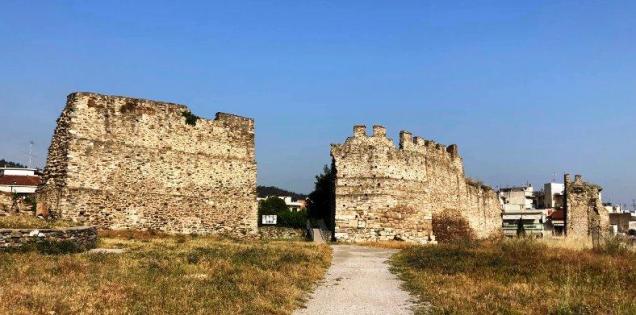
x=5, y=163
x=272, y=205
x=322, y=200
x=266, y=191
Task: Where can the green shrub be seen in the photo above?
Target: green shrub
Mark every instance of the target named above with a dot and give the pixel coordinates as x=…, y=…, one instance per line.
x=291, y=219
x=285, y=217
x=31, y=201
x=190, y=118
x=272, y=205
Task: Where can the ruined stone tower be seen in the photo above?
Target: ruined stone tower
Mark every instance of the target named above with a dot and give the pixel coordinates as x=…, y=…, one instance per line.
x=585, y=215
x=385, y=193
x=126, y=163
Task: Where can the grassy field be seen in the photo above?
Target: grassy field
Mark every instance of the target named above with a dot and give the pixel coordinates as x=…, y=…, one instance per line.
x=519, y=277
x=164, y=275
x=31, y=222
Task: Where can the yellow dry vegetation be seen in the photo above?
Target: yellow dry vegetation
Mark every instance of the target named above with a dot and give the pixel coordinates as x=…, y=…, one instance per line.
x=28, y=221
x=388, y=244
x=520, y=277
x=162, y=274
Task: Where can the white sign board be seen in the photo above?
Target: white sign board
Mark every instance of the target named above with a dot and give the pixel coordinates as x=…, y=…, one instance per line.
x=269, y=219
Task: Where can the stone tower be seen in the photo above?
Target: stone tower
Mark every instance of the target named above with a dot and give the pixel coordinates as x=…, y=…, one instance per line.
x=584, y=211
x=386, y=193
x=127, y=163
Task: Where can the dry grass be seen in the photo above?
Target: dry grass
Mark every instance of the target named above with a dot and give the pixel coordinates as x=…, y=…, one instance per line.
x=387, y=244
x=520, y=277
x=31, y=222
x=567, y=243
x=164, y=275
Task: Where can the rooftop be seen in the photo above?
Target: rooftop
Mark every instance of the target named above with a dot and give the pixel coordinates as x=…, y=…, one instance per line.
x=17, y=180
x=18, y=168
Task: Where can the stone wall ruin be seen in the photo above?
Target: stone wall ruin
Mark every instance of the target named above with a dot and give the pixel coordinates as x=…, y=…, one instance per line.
x=125, y=163
x=80, y=238
x=387, y=193
x=585, y=215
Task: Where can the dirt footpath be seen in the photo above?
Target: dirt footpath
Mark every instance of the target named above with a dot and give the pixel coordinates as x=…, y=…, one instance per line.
x=359, y=282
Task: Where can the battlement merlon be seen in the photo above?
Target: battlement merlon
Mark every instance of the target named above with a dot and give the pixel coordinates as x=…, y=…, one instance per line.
x=379, y=131
x=453, y=150
x=359, y=131
x=407, y=142
x=578, y=179
x=410, y=143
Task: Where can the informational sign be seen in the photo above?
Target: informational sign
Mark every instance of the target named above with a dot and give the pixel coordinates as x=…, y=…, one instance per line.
x=269, y=219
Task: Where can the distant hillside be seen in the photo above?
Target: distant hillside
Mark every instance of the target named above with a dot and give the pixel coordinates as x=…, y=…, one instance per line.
x=4, y=163
x=264, y=191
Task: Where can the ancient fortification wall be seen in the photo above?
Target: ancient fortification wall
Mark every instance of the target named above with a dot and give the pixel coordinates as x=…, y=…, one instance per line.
x=119, y=162
x=585, y=215
x=385, y=193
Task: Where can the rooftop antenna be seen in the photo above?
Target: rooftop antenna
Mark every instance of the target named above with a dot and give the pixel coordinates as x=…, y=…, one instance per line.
x=30, y=154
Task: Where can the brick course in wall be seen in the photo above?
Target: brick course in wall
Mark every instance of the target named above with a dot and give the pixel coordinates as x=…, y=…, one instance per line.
x=386, y=193
x=126, y=163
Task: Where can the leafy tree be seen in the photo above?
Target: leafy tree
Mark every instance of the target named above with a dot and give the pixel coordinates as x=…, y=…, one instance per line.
x=521, y=230
x=4, y=163
x=292, y=219
x=265, y=191
x=321, y=203
x=272, y=205
x=286, y=218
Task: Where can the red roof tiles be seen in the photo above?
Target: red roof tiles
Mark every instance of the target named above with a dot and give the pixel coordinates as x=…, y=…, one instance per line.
x=20, y=180
x=557, y=215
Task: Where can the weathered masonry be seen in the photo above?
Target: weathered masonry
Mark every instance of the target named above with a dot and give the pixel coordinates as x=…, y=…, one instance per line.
x=585, y=215
x=385, y=193
x=126, y=163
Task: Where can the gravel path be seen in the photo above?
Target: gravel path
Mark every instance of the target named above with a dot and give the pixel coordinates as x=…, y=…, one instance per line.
x=359, y=282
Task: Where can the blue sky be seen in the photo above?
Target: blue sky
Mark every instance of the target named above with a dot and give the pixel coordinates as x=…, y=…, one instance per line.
x=528, y=89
